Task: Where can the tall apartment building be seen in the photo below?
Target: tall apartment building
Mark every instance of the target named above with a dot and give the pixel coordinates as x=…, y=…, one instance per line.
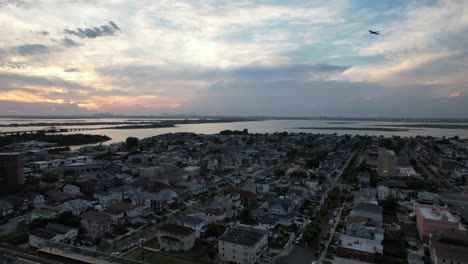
x=11, y=169
x=387, y=162
x=243, y=245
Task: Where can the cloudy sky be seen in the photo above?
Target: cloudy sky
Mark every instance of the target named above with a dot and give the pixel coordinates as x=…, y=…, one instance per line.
x=267, y=57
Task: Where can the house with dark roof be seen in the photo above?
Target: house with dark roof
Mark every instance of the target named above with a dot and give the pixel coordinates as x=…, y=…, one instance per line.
x=283, y=210
x=366, y=212
x=174, y=237
x=242, y=244
x=52, y=233
x=196, y=223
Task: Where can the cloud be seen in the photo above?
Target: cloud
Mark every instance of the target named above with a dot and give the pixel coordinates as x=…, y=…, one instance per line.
x=41, y=108
x=101, y=31
x=32, y=49
x=72, y=70
x=68, y=42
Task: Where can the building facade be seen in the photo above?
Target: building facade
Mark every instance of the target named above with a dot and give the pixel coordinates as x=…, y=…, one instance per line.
x=242, y=245
x=11, y=169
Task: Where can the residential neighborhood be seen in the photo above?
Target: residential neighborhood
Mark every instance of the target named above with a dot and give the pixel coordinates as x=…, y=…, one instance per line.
x=238, y=197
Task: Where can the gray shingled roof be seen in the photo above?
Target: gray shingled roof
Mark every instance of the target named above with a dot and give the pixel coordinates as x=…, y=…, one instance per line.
x=246, y=236
x=176, y=229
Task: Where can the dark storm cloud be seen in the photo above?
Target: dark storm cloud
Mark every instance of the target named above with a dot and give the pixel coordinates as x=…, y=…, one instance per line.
x=32, y=49
x=95, y=32
x=68, y=42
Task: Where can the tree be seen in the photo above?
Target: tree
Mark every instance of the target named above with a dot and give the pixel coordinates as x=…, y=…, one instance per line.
x=279, y=172
x=390, y=204
x=298, y=174
x=68, y=219
x=214, y=230
x=246, y=217
x=131, y=142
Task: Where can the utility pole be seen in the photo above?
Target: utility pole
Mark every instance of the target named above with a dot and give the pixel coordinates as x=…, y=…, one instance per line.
x=142, y=252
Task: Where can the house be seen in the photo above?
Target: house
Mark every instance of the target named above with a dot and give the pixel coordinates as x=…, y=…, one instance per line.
x=68, y=233
x=365, y=195
x=76, y=206
x=359, y=248
x=242, y=244
x=265, y=222
x=96, y=224
x=41, y=237
x=71, y=190
x=106, y=198
x=173, y=237
x=191, y=187
x=247, y=198
x=211, y=215
x=52, y=233
x=262, y=186
x=431, y=219
x=366, y=212
x=193, y=222
x=45, y=212
x=6, y=208
x=281, y=207
x=283, y=210
x=382, y=192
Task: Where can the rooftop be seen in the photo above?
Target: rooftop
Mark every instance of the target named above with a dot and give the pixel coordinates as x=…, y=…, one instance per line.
x=436, y=213
x=246, y=236
x=176, y=229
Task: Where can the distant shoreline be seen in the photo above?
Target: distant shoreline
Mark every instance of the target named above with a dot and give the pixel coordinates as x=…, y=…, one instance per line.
x=252, y=118
x=357, y=128
x=426, y=125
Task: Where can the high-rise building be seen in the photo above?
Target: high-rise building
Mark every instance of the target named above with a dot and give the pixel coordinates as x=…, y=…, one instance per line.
x=387, y=162
x=11, y=169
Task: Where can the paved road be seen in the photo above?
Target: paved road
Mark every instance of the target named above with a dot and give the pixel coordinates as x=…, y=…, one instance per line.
x=12, y=224
x=301, y=254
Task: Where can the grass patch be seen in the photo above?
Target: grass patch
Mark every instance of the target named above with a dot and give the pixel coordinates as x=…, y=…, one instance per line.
x=18, y=236
x=197, y=252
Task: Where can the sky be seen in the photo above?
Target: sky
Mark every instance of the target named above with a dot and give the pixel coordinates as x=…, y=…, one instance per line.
x=248, y=58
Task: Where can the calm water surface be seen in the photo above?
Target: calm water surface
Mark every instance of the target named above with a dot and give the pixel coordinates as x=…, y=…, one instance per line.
x=268, y=126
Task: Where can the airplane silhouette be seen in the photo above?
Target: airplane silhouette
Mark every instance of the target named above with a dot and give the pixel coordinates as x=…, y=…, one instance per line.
x=373, y=32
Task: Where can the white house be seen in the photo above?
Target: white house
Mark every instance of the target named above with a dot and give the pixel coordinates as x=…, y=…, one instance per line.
x=262, y=186
x=382, y=192
x=195, y=223
x=76, y=206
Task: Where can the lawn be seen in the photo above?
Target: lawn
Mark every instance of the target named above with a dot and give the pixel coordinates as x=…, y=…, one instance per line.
x=197, y=254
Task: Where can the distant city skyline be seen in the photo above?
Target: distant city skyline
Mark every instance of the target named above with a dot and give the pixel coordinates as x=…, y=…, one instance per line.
x=242, y=58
